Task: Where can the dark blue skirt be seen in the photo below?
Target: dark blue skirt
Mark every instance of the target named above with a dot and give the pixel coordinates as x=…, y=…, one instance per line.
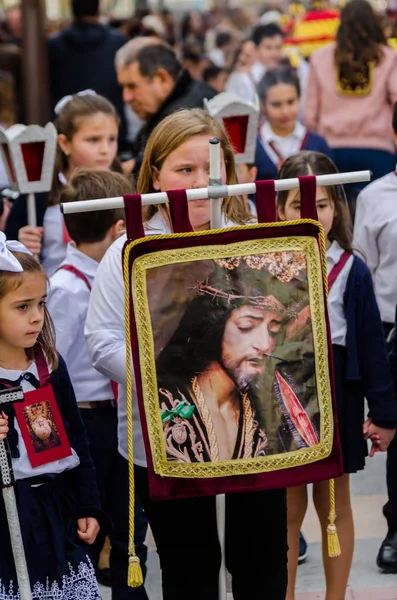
x=58, y=562
x=350, y=414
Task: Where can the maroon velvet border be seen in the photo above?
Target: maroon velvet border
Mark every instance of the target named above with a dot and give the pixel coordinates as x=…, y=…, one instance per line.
x=163, y=488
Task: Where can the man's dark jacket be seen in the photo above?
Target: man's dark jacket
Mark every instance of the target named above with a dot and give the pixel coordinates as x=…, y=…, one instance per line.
x=82, y=57
x=187, y=93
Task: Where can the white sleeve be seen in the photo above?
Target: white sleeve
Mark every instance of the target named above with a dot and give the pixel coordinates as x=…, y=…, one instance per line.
x=366, y=231
x=66, y=318
x=105, y=325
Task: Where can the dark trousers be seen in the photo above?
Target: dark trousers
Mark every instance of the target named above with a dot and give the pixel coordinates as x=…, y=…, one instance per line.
x=112, y=477
x=390, y=508
x=185, y=533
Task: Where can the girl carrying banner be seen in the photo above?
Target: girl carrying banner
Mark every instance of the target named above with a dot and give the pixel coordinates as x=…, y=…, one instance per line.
x=185, y=530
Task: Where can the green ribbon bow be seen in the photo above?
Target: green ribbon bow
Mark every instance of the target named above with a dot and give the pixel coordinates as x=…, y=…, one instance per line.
x=182, y=410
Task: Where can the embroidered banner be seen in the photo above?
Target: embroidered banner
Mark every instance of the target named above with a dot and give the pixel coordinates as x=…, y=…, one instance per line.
x=231, y=354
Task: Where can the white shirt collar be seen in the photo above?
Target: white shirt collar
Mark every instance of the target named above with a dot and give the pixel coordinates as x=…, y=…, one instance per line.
x=334, y=252
x=88, y=266
x=268, y=134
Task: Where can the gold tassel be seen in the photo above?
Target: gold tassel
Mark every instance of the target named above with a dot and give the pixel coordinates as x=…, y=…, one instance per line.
x=135, y=577
x=332, y=533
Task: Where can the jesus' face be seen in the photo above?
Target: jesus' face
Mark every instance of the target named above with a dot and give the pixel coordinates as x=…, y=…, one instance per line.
x=249, y=338
x=41, y=428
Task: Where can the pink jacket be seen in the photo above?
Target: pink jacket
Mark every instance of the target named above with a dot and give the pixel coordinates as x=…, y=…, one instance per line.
x=351, y=121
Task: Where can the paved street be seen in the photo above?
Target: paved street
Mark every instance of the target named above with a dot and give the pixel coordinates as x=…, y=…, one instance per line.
x=366, y=581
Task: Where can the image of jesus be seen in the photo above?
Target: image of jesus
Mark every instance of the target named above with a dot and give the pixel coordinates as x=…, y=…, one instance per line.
x=210, y=371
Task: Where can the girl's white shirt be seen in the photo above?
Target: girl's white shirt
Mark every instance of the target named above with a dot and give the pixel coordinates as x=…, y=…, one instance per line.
x=21, y=466
x=336, y=309
x=105, y=332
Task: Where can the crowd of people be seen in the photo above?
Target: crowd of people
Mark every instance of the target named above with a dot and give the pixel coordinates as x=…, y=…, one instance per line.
x=128, y=100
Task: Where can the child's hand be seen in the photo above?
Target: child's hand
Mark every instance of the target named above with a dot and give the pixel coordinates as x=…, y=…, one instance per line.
x=31, y=238
x=379, y=436
x=88, y=529
x=3, y=426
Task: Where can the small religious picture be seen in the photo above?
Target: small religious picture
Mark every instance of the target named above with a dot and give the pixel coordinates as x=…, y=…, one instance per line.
x=237, y=341
x=42, y=428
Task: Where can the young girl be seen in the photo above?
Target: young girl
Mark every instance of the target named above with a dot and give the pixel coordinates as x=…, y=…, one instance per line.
x=282, y=135
x=58, y=500
x=87, y=126
x=360, y=365
x=177, y=156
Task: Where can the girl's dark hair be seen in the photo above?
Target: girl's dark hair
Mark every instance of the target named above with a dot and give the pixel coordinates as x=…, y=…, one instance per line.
x=309, y=162
x=276, y=76
x=68, y=122
x=11, y=281
x=359, y=41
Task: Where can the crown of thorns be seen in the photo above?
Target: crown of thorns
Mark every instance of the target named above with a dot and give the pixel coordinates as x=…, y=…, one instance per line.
x=282, y=265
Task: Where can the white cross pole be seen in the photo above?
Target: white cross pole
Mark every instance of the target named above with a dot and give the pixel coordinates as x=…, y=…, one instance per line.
x=215, y=223
x=214, y=191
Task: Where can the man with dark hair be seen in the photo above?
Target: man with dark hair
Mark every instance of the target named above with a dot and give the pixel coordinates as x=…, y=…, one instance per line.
x=216, y=77
x=218, y=375
x=269, y=40
x=82, y=57
x=155, y=85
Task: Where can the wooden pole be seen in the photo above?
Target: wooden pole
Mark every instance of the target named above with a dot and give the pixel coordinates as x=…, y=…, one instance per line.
x=34, y=63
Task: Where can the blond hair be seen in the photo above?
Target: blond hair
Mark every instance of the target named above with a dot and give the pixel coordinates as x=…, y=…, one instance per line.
x=167, y=136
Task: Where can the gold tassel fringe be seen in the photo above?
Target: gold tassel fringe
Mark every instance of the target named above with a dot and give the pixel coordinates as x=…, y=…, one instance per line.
x=332, y=533
x=135, y=577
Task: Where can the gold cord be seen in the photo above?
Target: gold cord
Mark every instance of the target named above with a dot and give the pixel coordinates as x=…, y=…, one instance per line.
x=332, y=533
x=135, y=577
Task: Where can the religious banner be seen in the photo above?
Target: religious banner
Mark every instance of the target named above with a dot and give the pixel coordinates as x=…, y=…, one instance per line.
x=231, y=352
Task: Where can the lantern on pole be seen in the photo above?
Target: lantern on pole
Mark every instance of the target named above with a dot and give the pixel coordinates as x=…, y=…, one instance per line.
x=29, y=153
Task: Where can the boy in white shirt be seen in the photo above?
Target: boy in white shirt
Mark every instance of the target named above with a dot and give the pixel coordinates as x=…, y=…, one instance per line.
x=70, y=287
x=375, y=235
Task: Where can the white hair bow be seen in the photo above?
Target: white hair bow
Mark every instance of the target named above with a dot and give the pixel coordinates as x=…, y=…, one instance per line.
x=8, y=262
x=60, y=105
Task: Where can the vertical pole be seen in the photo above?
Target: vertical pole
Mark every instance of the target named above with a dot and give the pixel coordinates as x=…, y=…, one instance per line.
x=215, y=179
x=34, y=63
x=31, y=206
x=216, y=215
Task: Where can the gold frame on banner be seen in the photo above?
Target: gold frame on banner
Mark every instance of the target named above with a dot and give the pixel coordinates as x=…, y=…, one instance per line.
x=136, y=285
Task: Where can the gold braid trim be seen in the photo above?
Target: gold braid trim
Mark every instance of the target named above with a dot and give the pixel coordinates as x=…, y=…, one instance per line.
x=205, y=415
x=161, y=465
x=317, y=283
x=249, y=427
